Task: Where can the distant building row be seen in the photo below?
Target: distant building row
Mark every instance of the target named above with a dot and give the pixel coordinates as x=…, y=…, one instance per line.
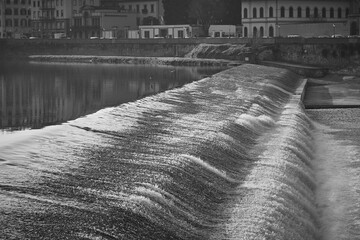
x=81, y=19
x=76, y=18
x=307, y=18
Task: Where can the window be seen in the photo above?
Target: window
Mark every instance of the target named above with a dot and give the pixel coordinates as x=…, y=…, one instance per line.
x=282, y=12
x=23, y=23
x=62, y=13
x=245, y=32
x=16, y=2
x=291, y=12
x=307, y=12
x=8, y=11
x=57, y=13
x=16, y=22
x=331, y=12
x=323, y=12
x=316, y=12
x=271, y=31
x=23, y=2
x=261, y=12
x=8, y=23
x=299, y=12
x=96, y=21
x=254, y=13
x=254, y=32
x=245, y=13
x=147, y=34
x=137, y=8
x=261, y=31
x=23, y=11
x=74, y=2
x=347, y=13
x=152, y=8
x=130, y=8
x=339, y=13
x=271, y=12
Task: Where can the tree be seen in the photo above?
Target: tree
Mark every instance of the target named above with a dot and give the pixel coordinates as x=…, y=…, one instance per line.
x=176, y=11
x=203, y=12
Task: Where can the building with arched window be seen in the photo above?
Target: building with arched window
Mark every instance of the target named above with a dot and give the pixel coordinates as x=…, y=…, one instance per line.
x=280, y=18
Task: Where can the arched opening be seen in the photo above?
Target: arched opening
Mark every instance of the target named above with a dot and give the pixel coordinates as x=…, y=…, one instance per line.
x=339, y=13
x=261, y=31
x=316, y=12
x=261, y=12
x=245, y=13
x=331, y=12
x=354, y=29
x=255, y=33
x=307, y=12
x=254, y=13
x=271, y=12
x=323, y=14
x=271, y=31
x=245, y=32
x=291, y=12
x=282, y=12
x=299, y=12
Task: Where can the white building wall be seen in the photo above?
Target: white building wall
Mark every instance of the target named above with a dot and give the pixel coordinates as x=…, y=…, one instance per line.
x=254, y=20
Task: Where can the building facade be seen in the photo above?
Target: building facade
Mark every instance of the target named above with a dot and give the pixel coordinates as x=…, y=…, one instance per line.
x=280, y=18
x=50, y=17
x=15, y=18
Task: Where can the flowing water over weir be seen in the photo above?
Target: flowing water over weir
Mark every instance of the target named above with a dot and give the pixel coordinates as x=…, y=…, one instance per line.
x=227, y=157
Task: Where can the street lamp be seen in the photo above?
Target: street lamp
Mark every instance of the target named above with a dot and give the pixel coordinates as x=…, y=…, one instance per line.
x=278, y=26
x=334, y=27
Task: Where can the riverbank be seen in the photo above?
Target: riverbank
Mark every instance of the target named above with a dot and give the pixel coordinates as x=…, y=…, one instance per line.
x=135, y=60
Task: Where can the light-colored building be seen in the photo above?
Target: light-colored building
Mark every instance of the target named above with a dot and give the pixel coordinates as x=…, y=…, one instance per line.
x=15, y=18
x=307, y=18
x=164, y=31
x=220, y=31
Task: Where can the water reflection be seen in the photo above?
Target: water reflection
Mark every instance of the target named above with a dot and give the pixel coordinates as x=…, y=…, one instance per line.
x=33, y=95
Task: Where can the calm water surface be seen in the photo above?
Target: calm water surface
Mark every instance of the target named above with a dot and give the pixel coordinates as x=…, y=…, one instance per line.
x=33, y=95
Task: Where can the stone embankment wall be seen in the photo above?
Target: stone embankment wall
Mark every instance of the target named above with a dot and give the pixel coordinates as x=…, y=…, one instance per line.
x=123, y=47
x=332, y=53
x=325, y=52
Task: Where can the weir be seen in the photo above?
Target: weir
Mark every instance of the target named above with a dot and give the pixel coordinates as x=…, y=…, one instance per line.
x=226, y=157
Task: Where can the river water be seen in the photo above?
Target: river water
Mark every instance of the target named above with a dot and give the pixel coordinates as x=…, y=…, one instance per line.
x=234, y=156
